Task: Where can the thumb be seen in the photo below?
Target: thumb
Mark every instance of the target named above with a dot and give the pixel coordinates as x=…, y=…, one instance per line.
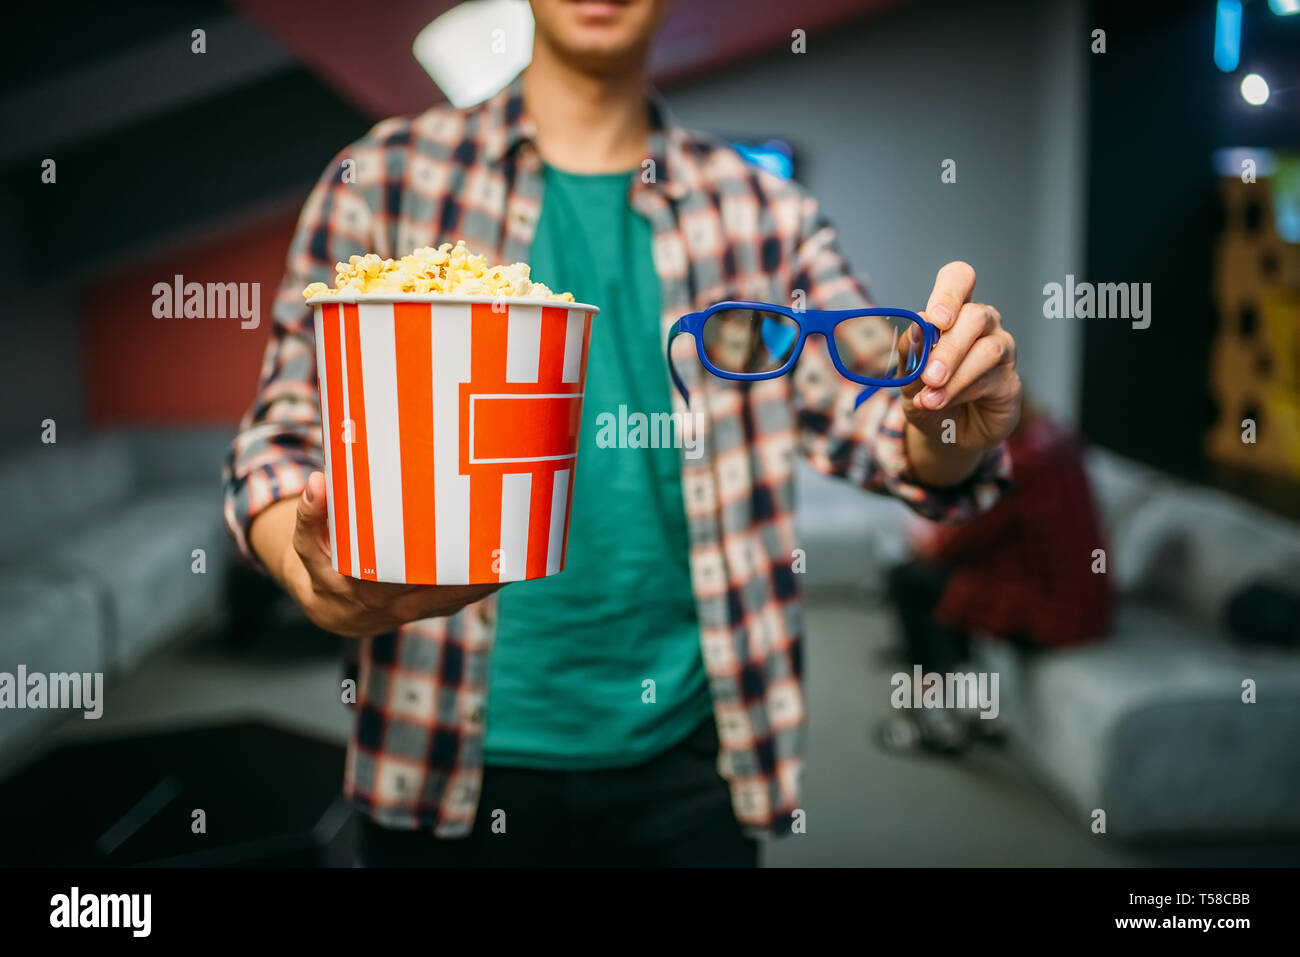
x=311, y=531
x=910, y=390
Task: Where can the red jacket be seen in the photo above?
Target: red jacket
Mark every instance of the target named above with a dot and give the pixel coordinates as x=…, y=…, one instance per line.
x=1026, y=565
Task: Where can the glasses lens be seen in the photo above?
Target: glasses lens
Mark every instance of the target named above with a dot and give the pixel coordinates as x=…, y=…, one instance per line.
x=749, y=341
x=879, y=347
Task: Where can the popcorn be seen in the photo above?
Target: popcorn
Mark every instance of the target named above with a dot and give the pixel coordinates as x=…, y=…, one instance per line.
x=448, y=269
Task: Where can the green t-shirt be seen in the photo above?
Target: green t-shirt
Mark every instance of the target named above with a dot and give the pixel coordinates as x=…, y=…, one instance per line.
x=568, y=685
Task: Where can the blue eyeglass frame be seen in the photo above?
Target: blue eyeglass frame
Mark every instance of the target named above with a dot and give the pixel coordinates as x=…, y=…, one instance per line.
x=810, y=321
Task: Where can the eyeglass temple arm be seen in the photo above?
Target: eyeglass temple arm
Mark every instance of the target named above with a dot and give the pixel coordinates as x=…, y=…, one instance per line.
x=673, y=333
x=864, y=395
x=931, y=332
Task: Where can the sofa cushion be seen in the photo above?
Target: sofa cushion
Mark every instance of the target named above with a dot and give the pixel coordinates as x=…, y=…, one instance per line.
x=141, y=557
x=1194, y=548
x=1151, y=727
x=1230, y=543
x=166, y=458
x=1119, y=486
x=848, y=534
x=55, y=487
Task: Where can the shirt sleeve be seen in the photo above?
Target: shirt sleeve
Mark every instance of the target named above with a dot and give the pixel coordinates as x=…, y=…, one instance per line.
x=279, y=441
x=865, y=446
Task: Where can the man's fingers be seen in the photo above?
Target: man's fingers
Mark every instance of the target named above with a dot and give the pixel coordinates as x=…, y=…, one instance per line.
x=952, y=289
x=311, y=530
x=973, y=321
x=996, y=381
x=987, y=353
x=428, y=600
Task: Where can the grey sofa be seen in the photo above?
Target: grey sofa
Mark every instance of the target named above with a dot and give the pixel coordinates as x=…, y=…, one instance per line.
x=1150, y=725
x=97, y=555
x=849, y=537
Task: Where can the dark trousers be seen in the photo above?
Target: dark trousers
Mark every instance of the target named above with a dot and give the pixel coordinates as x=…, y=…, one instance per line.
x=671, y=811
x=915, y=588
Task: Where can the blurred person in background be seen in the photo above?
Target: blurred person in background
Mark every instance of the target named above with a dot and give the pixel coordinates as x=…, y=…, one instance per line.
x=1024, y=571
x=514, y=728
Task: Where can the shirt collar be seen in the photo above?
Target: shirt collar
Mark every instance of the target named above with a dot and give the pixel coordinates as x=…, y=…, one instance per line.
x=504, y=127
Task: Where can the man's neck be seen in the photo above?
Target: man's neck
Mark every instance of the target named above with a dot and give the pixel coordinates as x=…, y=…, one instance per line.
x=585, y=123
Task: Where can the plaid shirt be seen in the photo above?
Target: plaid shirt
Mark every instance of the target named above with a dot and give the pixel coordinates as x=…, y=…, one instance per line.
x=722, y=230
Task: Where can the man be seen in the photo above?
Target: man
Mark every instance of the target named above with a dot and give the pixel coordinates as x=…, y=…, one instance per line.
x=1021, y=572
x=645, y=705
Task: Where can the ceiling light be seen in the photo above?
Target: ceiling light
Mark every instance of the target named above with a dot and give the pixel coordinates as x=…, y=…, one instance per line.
x=1227, y=35
x=1254, y=89
x=474, y=49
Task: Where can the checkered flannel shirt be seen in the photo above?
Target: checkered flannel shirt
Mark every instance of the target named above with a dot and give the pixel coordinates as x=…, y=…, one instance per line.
x=723, y=229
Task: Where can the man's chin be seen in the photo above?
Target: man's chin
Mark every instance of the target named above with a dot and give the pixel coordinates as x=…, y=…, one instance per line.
x=603, y=59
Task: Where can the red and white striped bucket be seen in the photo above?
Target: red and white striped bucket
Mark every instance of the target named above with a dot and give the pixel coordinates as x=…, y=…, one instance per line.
x=451, y=434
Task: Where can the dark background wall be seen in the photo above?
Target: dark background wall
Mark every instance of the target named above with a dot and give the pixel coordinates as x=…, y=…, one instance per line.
x=1158, y=109
x=167, y=162
x=176, y=163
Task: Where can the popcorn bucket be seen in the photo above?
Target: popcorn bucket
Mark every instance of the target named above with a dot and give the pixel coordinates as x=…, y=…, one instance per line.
x=450, y=426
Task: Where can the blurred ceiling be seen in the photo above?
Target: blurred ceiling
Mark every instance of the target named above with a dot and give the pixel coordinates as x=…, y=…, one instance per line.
x=118, y=95
x=371, y=65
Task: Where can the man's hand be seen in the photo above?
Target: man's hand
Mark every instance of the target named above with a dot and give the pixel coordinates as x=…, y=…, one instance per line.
x=970, y=378
x=295, y=547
